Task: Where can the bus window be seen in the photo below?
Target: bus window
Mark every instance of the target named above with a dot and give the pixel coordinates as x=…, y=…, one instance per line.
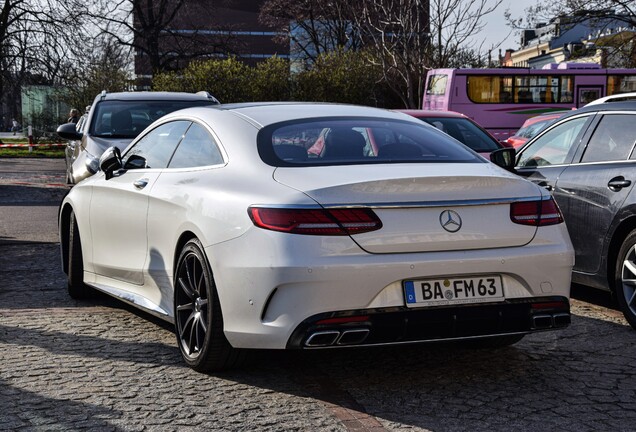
x=490, y=89
x=543, y=89
x=529, y=88
x=526, y=89
x=437, y=85
x=620, y=84
x=566, y=89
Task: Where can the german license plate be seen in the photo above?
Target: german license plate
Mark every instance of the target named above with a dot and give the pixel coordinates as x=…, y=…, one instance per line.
x=437, y=292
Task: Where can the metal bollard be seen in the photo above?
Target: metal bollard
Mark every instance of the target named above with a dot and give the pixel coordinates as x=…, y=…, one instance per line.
x=30, y=134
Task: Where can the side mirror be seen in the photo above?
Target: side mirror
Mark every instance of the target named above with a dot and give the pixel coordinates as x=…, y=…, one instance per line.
x=504, y=157
x=135, y=162
x=110, y=161
x=69, y=131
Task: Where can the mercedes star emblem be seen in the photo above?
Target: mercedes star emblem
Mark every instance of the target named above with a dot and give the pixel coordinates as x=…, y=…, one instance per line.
x=450, y=221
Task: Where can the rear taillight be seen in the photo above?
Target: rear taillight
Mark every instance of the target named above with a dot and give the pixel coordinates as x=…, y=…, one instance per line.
x=315, y=221
x=536, y=213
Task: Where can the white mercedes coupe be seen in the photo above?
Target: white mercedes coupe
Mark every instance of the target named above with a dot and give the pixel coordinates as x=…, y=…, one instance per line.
x=222, y=221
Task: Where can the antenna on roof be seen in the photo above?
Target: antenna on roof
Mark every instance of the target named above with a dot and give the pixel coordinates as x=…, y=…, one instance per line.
x=208, y=95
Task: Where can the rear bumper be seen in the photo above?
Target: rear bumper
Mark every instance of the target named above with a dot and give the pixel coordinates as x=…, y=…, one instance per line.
x=403, y=325
x=271, y=284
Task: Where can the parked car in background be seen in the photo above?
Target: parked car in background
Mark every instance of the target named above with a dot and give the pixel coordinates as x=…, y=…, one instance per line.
x=219, y=219
x=115, y=119
x=460, y=127
x=532, y=127
x=587, y=160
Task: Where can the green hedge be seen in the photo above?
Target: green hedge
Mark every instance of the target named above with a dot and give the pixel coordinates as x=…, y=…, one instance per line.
x=338, y=76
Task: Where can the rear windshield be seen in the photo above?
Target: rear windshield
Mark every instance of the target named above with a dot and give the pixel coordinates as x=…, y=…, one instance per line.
x=358, y=141
x=126, y=119
x=464, y=131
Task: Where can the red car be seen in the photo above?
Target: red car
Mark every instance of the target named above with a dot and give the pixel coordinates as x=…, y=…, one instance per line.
x=532, y=127
x=460, y=127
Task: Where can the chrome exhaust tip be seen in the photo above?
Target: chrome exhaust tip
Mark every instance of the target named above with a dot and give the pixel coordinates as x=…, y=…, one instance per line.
x=562, y=319
x=540, y=322
x=322, y=338
x=353, y=337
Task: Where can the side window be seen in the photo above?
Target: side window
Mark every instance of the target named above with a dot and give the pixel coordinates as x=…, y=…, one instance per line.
x=553, y=147
x=158, y=145
x=198, y=148
x=612, y=140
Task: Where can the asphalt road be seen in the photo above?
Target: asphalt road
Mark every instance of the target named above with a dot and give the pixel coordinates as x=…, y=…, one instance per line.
x=99, y=365
x=30, y=193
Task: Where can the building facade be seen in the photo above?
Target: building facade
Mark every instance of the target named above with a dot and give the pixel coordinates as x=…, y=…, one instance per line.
x=572, y=39
x=201, y=29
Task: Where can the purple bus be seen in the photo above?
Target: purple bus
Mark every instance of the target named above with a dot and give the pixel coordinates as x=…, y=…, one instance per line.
x=500, y=100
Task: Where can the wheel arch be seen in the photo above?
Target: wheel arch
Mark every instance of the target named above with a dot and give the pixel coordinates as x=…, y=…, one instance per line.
x=185, y=237
x=64, y=226
x=620, y=233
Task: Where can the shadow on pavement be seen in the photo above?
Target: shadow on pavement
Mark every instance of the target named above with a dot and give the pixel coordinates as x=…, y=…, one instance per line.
x=594, y=295
x=25, y=410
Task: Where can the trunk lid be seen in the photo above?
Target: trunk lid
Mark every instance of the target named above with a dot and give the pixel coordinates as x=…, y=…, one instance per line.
x=423, y=207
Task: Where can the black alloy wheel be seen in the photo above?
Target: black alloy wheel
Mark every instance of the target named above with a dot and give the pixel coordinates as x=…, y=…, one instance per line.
x=75, y=263
x=625, y=278
x=198, y=317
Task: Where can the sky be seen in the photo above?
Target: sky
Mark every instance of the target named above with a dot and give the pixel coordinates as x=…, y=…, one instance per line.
x=496, y=29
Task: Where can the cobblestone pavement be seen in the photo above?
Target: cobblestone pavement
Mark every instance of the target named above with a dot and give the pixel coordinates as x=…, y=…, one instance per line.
x=100, y=365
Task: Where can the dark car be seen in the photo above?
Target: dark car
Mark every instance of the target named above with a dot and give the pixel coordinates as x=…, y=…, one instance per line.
x=460, y=127
x=587, y=159
x=115, y=119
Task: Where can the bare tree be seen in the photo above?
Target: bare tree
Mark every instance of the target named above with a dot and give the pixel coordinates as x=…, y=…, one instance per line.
x=33, y=40
x=146, y=27
x=312, y=27
x=404, y=37
x=399, y=35
x=455, y=27
x=410, y=38
x=105, y=65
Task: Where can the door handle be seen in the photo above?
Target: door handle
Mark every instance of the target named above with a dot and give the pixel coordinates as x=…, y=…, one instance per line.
x=618, y=183
x=141, y=183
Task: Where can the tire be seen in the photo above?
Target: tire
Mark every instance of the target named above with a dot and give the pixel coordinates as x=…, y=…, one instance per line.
x=75, y=276
x=495, y=341
x=625, y=278
x=198, y=316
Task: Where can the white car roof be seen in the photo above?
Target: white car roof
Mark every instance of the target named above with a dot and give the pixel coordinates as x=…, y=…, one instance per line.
x=265, y=113
x=620, y=97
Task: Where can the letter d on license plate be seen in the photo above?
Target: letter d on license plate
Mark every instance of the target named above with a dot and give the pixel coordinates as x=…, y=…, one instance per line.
x=437, y=292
